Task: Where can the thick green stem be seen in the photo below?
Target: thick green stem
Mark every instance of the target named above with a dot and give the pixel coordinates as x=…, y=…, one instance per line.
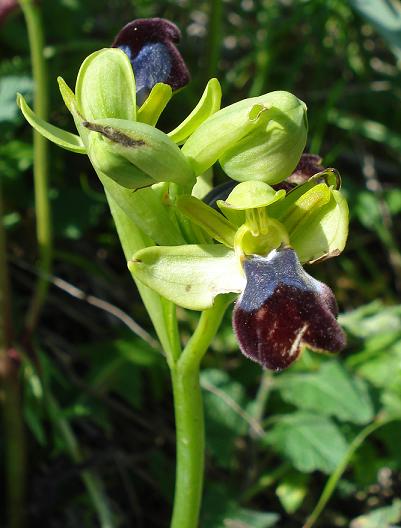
x=214, y=36
x=40, y=164
x=189, y=418
x=14, y=435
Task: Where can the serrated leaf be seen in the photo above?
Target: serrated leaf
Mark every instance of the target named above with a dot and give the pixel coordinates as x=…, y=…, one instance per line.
x=331, y=391
x=311, y=442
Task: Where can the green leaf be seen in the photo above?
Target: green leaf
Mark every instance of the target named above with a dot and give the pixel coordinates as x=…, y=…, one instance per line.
x=56, y=135
x=214, y=223
x=222, y=398
x=331, y=391
x=292, y=490
x=155, y=103
x=190, y=276
x=220, y=510
x=208, y=104
x=384, y=517
x=385, y=17
x=9, y=85
x=105, y=86
x=372, y=130
x=311, y=442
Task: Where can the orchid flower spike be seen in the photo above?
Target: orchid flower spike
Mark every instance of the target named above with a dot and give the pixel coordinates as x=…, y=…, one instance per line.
x=264, y=235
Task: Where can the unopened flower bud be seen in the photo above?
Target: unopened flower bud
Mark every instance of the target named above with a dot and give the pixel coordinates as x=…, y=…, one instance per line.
x=261, y=138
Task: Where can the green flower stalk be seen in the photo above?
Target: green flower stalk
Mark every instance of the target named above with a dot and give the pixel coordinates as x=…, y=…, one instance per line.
x=183, y=252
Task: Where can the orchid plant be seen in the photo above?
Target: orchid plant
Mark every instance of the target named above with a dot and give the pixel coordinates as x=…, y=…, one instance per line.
x=202, y=249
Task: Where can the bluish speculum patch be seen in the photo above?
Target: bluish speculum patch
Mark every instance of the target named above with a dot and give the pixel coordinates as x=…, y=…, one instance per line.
x=150, y=46
x=151, y=66
x=283, y=308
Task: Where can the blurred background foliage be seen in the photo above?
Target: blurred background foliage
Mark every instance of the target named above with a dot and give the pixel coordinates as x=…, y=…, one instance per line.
x=102, y=401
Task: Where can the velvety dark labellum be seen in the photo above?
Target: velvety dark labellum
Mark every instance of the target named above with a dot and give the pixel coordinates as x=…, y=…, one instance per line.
x=283, y=308
x=150, y=46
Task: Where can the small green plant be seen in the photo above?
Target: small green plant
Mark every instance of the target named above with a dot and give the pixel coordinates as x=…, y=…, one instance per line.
x=286, y=210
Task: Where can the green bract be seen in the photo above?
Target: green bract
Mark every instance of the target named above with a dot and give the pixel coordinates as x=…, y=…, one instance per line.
x=261, y=138
x=136, y=154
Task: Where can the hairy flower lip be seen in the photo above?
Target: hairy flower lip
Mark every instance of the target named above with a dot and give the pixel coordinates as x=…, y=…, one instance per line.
x=282, y=309
x=143, y=32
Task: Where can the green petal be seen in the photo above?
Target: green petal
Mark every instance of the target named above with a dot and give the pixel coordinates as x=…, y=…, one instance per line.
x=250, y=195
x=190, y=276
x=208, y=104
x=210, y=220
x=324, y=233
x=56, y=135
x=105, y=86
x=155, y=104
x=304, y=206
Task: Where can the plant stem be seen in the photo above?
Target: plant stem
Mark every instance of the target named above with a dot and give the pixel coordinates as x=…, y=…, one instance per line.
x=214, y=36
x=40, y=165
x=15, y=459
x=342, y=466
x=189, y=418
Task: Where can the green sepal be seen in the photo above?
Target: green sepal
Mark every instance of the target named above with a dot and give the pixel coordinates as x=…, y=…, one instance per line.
x=261, y=138
x=210, y=220
x=324, y=233
x=71, y=103
x=208, y=104
x=203, y=185
x=191, y=276
x=115, y=144
x=155, y=103
x=56, y=135
x=105, y=86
